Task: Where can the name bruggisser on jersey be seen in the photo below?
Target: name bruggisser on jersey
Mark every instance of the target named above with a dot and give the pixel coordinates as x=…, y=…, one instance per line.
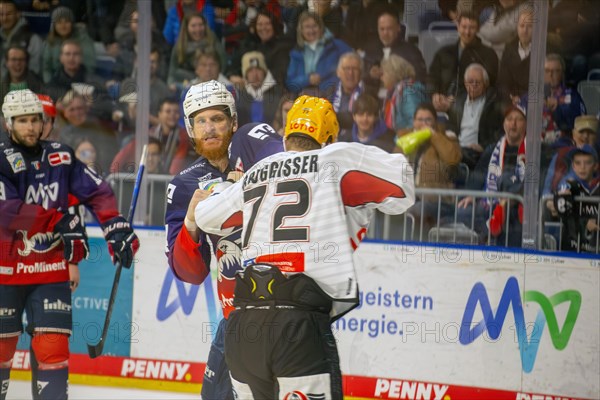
x=289, y=167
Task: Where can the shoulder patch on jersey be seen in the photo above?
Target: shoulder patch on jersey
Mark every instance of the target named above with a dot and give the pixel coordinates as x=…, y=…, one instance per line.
x=17, y=162
x=205, y=178
x=55, y=145
x=59, y=157
x=209, y=184
x=8, y=151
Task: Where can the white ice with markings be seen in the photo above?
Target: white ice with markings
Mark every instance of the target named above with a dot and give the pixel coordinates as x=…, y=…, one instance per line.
x=21, y=390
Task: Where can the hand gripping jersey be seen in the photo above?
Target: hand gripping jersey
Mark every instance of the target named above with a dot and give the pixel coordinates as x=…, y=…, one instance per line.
x=189, y=260
x=35, y=190
x=306, y=212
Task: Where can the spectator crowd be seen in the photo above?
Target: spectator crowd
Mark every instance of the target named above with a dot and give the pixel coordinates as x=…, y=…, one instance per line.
x=460, y=118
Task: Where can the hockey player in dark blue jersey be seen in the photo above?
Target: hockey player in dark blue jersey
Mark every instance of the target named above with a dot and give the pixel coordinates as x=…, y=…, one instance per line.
x=225, y=152
x=38, y=238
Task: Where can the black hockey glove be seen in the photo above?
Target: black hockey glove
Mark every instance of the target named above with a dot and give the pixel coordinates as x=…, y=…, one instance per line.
x=71, y=230
x=122, y=241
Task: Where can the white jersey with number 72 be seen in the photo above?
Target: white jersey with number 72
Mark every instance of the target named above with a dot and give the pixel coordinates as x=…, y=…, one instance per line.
x=306, y=212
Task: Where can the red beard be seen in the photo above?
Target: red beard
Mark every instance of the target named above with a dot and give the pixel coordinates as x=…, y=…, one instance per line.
x=214, y=153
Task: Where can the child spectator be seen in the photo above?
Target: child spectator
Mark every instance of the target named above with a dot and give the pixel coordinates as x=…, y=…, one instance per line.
x=368, y=127
x=580, y=219
x=85, y=151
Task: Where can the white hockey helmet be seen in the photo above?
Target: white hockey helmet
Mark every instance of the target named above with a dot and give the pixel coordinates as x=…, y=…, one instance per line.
x=20, y=102
x=205, y=95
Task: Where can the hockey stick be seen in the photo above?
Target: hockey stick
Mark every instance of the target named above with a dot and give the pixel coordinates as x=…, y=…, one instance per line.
x=94, y=350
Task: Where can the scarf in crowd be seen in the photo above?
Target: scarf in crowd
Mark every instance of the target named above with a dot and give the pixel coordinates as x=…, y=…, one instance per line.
x=496, y=165
x=394, y=98
x=337, y=97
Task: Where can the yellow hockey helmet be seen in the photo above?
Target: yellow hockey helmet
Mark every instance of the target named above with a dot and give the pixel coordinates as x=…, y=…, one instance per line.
x=313, y=117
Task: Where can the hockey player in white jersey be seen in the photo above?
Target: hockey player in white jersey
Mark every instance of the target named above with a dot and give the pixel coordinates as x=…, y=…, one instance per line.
x=304, y=212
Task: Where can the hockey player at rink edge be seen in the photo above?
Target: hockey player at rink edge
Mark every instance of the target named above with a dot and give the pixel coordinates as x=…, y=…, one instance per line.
x=211, y=123
x=295, y=206
x=39, y=180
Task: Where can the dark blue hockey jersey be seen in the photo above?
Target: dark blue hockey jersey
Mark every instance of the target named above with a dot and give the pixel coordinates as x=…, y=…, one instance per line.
x=190, y=261
x=36, y=187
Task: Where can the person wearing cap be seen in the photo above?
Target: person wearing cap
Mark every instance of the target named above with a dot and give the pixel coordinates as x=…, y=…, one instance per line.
x=63, y=27
x=291, y=214
x=579, y=218
x=501, y=168
x=584, y=132
x=258, y=97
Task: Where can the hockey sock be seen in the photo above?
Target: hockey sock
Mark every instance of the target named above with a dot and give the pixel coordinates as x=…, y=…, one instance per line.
x=7, y=352
x=4, y=381
x=51, y=351
x=52, y=384
x=34, y=371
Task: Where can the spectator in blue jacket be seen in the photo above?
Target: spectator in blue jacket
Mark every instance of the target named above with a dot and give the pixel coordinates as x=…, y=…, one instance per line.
x=313, y=62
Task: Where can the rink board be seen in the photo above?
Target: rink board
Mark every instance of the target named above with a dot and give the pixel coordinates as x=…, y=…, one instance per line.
x=434, y=323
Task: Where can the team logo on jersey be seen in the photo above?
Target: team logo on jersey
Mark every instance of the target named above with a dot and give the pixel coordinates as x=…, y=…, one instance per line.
x=36, y=165
x=55, y=145
x=17, y=162
x=58, y=158
x=38, y=243
x=8, y=151
x=42, y=194
x=298, y=395
x=228, y=256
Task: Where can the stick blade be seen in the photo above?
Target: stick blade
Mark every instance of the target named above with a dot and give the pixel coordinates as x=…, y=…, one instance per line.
x=95, y=350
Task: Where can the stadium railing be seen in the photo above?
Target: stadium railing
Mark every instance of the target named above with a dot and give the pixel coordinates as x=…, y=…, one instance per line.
x=462, y=228
x=156, y=186
x=551, y=229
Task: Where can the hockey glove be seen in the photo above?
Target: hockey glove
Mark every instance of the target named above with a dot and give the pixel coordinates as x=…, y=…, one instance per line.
x=71, y=230
x=122, y=241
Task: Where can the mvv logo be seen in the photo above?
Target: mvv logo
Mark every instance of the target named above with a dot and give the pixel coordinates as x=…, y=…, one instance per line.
x=493, y=322
x=42, y=195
